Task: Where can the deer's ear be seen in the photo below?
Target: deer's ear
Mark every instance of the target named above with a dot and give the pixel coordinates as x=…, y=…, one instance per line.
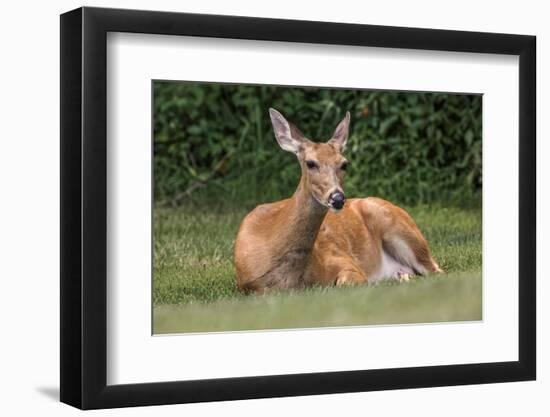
x=288, y=136
x=340, y=135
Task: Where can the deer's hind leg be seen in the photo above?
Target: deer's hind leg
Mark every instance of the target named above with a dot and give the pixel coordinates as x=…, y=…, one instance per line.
x=410, y=249
x=403, y=244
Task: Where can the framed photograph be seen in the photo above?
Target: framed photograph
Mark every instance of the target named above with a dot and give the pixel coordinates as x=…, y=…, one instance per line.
x=257, y=208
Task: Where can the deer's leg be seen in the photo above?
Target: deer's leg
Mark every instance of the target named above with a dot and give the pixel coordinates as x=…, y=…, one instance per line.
x=347, y=272
x=401, y=238
x=411, y=249
x=350, y=277
x=335, y=267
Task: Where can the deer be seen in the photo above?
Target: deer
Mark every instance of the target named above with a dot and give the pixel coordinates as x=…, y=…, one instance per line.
x=317, y=237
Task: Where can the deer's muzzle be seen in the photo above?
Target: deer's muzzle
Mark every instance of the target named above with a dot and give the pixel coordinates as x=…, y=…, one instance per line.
x=337, y=200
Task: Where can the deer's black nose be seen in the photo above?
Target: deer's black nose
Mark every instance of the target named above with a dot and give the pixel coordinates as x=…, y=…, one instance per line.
x=337, y=200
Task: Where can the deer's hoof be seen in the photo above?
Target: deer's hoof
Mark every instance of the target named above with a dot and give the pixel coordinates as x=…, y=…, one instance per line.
x=403, y=277
x=349, y=278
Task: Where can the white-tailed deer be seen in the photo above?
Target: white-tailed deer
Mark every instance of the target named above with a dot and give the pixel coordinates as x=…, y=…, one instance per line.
x=316, y=236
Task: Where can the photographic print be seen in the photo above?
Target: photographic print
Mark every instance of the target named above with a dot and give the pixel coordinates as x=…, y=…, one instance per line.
x=224, y=211
x=289, y=207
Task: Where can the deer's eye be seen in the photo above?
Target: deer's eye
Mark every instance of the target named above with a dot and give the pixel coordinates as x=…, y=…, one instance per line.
x=344, y=166
x=312, y=164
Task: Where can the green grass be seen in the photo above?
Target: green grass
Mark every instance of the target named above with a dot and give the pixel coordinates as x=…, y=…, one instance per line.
x=194, y=283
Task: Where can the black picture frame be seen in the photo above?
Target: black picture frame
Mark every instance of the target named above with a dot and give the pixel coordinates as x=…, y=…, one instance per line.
x=84, y=207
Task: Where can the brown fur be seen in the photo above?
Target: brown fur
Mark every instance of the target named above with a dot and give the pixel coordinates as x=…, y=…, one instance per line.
x=298, y=241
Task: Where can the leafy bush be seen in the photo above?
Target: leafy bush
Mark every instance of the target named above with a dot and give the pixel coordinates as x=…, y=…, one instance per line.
x=214, y=141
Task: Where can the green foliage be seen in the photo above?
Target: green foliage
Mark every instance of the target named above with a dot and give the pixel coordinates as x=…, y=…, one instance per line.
x=215, y=142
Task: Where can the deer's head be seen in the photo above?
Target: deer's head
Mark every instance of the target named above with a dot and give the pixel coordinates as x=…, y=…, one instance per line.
x=323, y=165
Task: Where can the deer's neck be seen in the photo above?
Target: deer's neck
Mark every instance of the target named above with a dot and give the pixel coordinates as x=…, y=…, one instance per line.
x=305, y=217
x=294, y=241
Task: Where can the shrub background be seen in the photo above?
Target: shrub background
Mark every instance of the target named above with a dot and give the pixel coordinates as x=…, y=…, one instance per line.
x=214, y=142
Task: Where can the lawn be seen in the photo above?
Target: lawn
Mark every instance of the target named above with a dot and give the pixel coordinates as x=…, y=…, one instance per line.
x=194, y=283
